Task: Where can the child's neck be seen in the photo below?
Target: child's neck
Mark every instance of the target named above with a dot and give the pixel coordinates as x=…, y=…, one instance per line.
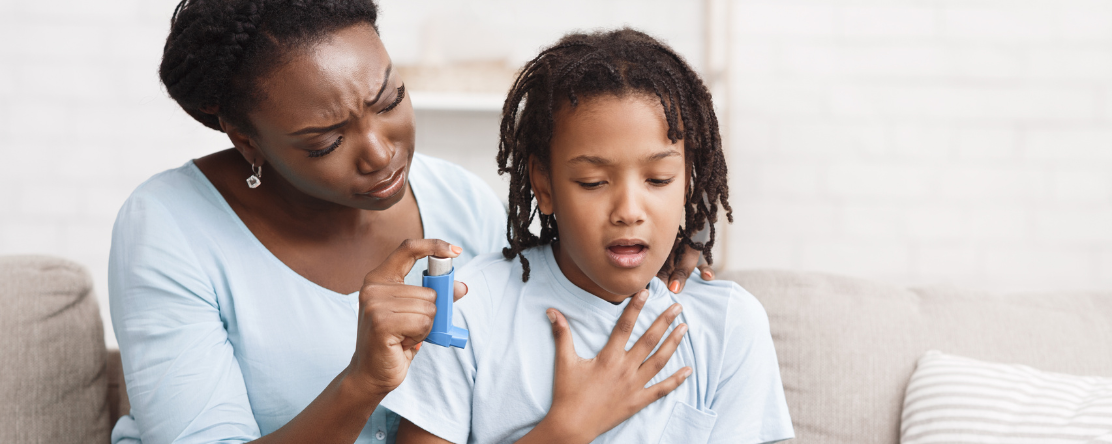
x=576, y=275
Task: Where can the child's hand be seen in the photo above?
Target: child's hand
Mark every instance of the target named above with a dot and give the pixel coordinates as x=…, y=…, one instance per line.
x=394, y=318
x=591, y=396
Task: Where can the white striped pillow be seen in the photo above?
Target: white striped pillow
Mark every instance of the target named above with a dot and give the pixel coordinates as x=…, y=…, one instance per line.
x=951, y=399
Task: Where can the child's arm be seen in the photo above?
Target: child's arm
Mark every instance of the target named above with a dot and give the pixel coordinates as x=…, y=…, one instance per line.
x=592, y=396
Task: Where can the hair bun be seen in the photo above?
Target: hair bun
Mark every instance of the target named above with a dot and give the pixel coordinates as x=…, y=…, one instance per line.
x=212, y=58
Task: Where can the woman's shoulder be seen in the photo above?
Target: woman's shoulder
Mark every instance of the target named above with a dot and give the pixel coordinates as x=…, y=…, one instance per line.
x=184, y=186
x=175, y=202
x=457, y=206
x=438, y=174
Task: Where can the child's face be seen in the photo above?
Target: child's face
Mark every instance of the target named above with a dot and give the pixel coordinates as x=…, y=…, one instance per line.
x=616, y=186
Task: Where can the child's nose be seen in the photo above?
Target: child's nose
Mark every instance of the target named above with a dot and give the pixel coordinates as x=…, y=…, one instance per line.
x=628, y=208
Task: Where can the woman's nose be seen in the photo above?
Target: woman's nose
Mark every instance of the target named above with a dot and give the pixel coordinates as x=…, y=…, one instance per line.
x=375, y=153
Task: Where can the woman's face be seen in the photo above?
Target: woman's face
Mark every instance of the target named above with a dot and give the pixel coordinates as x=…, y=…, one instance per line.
x=335, y=122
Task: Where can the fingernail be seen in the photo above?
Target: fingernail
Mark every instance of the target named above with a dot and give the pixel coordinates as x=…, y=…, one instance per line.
x=674, y=287
x=551, y=316
x=707, y=274
x=418, y=347
x=456, y=250
x=677, y=309
x=465, y=287
x=686, y=372
x=682, y=329
x=642, y=295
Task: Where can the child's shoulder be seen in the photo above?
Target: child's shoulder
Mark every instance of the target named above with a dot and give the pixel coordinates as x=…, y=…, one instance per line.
x=486, y=269
x=724, y=304
x=487, y=277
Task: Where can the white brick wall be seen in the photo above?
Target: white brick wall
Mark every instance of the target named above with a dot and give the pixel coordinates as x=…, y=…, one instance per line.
x=925, y=141
x=917, y=141
x=83, y=121
x=83, y=118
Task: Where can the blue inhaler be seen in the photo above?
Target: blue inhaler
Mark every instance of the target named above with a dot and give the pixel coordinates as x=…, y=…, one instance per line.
x=440, y=276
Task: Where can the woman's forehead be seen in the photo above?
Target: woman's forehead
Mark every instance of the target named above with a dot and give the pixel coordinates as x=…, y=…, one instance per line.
x=325, y=81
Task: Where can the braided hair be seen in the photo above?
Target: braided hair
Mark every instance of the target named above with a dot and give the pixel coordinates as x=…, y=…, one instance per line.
x=618, y=62
x=218, y=50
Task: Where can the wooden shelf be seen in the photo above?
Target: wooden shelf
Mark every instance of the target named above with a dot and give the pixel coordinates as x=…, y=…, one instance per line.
x=466, y=102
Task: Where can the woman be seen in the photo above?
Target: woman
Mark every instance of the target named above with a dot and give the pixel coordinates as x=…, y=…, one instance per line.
x=284, y=307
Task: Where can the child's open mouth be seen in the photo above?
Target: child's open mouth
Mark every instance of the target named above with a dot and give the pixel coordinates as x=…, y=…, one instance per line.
x=627, y=253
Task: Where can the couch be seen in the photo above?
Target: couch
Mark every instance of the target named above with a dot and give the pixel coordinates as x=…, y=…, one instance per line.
x=846, y=346
x=58, y=383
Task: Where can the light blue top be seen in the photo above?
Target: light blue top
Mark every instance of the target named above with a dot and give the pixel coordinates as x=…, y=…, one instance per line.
x=221, y=341
x=500, y=386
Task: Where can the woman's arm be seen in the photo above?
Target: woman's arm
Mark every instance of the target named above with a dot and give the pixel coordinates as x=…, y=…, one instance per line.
x=592, y=396
x=393, y=319
x=183, y=378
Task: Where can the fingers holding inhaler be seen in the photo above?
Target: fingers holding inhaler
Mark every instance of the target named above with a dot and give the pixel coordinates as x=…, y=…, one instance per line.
x=398, y=263
x=393, y=317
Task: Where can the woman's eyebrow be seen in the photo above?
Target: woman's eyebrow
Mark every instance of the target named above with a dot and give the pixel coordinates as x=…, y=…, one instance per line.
x=381, y=89
x=319, y=129
x=324, y=129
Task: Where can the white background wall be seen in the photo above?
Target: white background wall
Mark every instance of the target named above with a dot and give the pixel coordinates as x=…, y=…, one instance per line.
x=964, y=142
x=915, y=141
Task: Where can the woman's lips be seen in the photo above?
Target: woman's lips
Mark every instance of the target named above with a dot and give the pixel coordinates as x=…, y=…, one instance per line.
x=389, y=188
x=626, y=256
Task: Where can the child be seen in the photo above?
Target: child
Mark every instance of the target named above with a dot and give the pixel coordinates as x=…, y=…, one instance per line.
x=618, y=144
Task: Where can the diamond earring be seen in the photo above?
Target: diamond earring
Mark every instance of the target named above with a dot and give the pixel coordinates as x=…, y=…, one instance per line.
x=256, y=179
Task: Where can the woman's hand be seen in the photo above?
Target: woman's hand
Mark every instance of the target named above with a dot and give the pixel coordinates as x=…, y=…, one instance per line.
x=394, y=318
x=592, y=396
x=676, y=275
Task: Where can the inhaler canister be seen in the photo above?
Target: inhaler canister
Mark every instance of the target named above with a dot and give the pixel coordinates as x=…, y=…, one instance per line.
x=440, y=276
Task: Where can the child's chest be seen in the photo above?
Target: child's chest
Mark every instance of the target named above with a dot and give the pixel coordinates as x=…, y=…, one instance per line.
x=513, y=384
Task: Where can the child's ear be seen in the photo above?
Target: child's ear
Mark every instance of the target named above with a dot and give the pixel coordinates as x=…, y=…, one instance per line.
x=542, y=185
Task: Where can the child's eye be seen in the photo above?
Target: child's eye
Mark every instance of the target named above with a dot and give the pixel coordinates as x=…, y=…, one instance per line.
x=662, y=182
x=397, y=100
x=590, y=185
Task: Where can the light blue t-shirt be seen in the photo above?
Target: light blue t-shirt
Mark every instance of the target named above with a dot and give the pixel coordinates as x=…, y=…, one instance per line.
x=221, y=341
x=500, y=386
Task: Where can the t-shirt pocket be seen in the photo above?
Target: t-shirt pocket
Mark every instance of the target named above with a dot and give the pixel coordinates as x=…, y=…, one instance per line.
x=688, y=424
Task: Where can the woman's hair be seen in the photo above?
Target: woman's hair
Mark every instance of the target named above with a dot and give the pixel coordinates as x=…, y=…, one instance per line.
x=219, y=49
x=620, y=62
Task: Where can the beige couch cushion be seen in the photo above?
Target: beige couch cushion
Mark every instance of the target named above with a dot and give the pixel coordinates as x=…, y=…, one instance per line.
x=847, y=347
x=52, y=357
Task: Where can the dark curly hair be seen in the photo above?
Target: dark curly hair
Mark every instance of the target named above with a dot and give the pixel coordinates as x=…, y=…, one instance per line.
x=219, y=49
x=618, y=62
